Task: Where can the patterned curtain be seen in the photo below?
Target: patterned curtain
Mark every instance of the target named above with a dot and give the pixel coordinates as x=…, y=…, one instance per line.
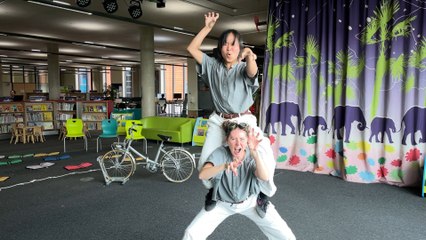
x=344, y=88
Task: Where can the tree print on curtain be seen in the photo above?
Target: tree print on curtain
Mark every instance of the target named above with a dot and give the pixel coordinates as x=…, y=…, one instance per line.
x=344, y=88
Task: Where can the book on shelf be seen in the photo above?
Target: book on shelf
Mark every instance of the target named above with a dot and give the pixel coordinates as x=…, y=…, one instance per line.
x=45, y=125
x=64, y=116
x=66, y=106
x=37, y=98
x=47, y=116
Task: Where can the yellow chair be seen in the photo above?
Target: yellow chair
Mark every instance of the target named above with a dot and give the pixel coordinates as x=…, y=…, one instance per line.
x=121, y=127
x=75, y=129
x=135, y=135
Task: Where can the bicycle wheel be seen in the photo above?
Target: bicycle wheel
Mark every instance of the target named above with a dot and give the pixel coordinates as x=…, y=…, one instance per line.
x=177, y=165
x=117, y=166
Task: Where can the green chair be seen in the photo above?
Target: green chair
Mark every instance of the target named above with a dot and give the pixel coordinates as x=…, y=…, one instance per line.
x=109, y=130
x=75, y=129
x=136, y=135
x=121, y=127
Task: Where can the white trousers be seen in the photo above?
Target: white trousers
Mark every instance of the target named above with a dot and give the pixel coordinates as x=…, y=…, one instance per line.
x=215, y=137
x=272, y=225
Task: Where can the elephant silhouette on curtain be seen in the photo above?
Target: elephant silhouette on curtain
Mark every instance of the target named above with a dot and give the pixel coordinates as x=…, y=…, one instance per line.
x=283, y=112
x=383, y=126
x=414, y=120
x=343, y=117
x=313, y=123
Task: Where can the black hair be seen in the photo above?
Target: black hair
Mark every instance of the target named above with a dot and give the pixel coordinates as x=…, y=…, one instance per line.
x=222, y=41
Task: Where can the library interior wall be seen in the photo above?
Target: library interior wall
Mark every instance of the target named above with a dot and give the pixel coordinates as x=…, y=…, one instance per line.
x=67, y=80
x=116, y=77
x=2, y=87
x=97, y=80
x=5, y=86
x=196, y=101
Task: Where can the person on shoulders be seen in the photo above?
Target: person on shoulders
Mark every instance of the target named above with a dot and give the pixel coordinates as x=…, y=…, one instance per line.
x=232, y=77
x=236, y=171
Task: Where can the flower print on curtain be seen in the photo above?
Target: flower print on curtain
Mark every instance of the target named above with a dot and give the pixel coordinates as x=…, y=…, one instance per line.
x=344, y=88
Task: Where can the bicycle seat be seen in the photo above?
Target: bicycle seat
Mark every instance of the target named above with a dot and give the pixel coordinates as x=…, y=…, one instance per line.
x=164, y=137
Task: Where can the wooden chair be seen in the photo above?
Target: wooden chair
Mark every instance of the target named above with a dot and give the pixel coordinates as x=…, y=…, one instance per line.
x=62, y=132
x=38, y=133
x=29, y=134
x=86, y=131
x=17, y=134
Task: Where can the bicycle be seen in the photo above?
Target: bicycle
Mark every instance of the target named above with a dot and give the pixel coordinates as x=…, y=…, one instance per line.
x=119, y=164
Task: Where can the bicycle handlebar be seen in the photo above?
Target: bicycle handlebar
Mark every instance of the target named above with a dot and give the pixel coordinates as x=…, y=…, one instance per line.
x=133, y=129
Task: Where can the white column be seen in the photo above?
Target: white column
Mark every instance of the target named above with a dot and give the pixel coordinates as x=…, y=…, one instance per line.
x=53, y=71
x=192, y=88
x=97, y=79
x=2, y=84
x=136, y=83
x=147, y=73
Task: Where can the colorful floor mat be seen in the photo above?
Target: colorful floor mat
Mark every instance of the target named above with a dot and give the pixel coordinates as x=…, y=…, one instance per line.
x=3, y=178
x=57, y=158
x=41, y=165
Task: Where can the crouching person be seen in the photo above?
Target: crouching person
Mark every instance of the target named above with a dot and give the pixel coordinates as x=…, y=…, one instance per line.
x=236, y=171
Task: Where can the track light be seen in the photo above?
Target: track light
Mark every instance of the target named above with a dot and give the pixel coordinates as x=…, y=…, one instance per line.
x=60, y=7
x=83, y=3
x=110, y=6
x=135, y=9
x=161, y=3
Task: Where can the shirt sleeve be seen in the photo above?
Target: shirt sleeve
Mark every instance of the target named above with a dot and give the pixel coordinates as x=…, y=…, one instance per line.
x=252, y=82
x=217, y=157
x=206, y=63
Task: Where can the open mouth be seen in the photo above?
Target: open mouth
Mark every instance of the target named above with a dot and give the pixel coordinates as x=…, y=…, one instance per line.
x=237, y=150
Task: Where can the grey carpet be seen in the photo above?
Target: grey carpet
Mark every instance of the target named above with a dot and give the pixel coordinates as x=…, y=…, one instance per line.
x=52, y=203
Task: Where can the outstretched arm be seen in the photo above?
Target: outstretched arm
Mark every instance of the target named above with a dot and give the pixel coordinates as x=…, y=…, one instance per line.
x=261, y=169
x=194, y=47
x=250, y=58
x=209, y=170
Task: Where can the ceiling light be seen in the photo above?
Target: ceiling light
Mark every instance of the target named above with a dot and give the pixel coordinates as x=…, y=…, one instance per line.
x=110, y=6
x=177, y=31
x=63, y=8
x=135, y=9
x=161, y=3
x=83, y=3
x=61, y=2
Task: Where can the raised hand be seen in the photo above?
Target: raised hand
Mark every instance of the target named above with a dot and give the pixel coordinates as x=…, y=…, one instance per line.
x=210, y=19
x=246, y=52
x=253, y=139
x=233, y=166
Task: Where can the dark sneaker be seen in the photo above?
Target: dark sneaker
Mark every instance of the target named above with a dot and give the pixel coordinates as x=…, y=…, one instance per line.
x=262, y=204
x=209, y=204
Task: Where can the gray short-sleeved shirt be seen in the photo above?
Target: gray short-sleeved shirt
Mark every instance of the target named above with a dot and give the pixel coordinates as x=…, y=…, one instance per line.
x=232, y=90
x=228, y=187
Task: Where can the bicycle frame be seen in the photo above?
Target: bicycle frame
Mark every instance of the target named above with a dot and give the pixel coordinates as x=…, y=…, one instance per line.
x=176, y=164
x=131, y=150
